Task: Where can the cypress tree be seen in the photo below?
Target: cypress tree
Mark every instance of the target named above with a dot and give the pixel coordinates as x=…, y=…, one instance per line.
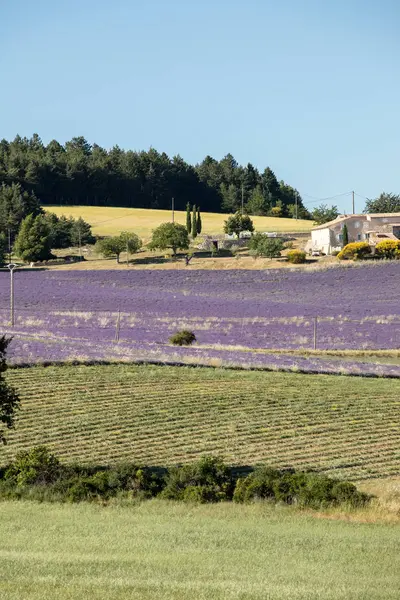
x=345, y=233
x=194, y=222
x=198, y=223
x=188, y=219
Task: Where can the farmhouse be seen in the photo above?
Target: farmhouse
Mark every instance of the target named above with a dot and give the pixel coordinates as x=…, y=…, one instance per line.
x=372, y=227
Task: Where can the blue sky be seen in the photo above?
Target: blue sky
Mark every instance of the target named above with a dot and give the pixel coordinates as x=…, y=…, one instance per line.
x=310, y=88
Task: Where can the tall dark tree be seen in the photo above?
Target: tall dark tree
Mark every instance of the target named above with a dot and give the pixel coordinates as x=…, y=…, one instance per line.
x=345, y=234
x=199, y=224
x=194, y=222
x=188, y=219
x=33, y=242
x=9, y=400
x=15, y=205
x=3, y=249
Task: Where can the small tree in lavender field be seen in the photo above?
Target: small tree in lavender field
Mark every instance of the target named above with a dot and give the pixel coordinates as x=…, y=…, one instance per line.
x=170, y=235
x=114, y=246
x=9, y=400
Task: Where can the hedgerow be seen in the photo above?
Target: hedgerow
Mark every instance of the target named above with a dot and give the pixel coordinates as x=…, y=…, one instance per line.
x=37, y=474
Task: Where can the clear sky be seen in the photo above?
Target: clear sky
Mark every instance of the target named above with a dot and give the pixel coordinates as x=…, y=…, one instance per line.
x=310, y=88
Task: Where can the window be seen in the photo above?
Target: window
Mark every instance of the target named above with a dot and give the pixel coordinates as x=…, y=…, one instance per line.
x=340, y=237
x=358, y=236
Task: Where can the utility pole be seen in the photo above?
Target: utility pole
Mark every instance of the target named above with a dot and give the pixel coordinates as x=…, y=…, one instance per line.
x=173, y=210
x=127, y=252
x=9, y=243
x=11, y=267
x=315, y=332
x=118, y=326
x=354, y=210
x=296, y=199
x=242, y=199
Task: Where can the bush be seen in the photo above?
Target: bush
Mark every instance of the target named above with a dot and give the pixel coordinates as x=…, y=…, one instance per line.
x=296, y=257
x=35, y=466
x=182, y=338
x=262, y=245
x=355, y=251
x=207, y=480
x=388, y=249
x=291, y=487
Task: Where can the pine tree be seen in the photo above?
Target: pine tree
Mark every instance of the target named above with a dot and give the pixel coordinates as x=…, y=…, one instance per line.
x=3, y=249
x=33, y=242
x=345, y=233
x=198, y=223
x=194, y=222
x=188, y=219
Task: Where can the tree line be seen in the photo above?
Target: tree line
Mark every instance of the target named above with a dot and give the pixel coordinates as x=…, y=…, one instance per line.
x=78, y=173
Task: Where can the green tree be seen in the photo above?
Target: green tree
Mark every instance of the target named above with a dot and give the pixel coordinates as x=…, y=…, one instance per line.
x=324, y=213
x=237, y=223
x=15, y=205
x=345, y=234
x=114, y=246
x=9, y=400
x=262, y=245
x=81, y=233
x=33, y=242
x=188, y=219
x=194, y=222
x=170, y=235
x=385, y=203
x=257, y=204
x=199, y=224
x=3, y=248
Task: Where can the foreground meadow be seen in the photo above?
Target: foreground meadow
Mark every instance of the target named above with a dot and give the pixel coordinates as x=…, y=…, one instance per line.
x=166, y=551
x=347, y=427
x=111, y=220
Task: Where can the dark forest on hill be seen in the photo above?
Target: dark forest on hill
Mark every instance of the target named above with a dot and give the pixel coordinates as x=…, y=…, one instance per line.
x=78, y=173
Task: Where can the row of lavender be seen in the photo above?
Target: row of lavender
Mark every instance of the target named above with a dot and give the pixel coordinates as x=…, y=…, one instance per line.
x=357, y=308
x=338, y=333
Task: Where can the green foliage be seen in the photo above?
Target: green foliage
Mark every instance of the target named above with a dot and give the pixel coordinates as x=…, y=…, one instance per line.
x=78, y=173
x=199, y=224
x=296, y=257
x=207, y=480
x=262, y=245
x=257, y=203
x=324, y=213
x=81, y=232
x=355, y=251
x=345, y=234
x=15, y=205
x=388, y=249
x=35, y=466
x=9, y=399
x=33, y=242
x=114, y=246
x=305, y=489
x=385, y=203
x=194, y=222
x=183, y=338
x=188, y=219
x=170, y=235
x=66, y=232
x=237, y=223
x=3, y=249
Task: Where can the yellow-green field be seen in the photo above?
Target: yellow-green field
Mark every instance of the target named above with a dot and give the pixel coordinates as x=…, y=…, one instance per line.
x=158, y=415
x=168, y=551
x=111, y=220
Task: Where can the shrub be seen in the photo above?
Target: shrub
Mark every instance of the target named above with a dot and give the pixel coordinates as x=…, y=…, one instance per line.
x=296, y=257
x=207, y=480
x=355, y=251
x=182, y=338
x=388, y=249
x=35, y=466
x=262, y=245
x=306, y=489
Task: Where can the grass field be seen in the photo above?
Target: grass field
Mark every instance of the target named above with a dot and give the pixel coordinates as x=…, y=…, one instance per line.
x=346, y=426
x=166, y=551
x=111, y=221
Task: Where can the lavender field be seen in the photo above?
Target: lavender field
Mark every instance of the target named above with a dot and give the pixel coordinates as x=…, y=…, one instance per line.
x=239, y=317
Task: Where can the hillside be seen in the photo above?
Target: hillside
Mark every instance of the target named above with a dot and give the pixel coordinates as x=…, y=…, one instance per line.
x=110, y=220
x=346, y=426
